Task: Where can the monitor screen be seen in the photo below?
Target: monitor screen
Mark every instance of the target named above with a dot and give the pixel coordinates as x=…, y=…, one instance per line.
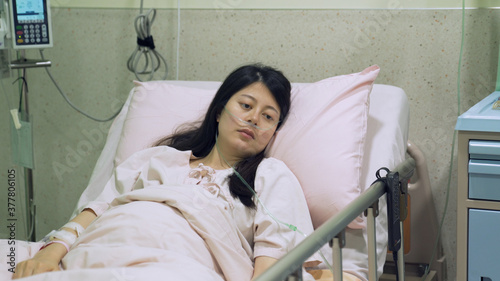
x=31, y=24
x=30, y=11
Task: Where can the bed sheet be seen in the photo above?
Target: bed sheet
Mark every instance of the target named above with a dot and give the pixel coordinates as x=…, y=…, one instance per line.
x=166, y=235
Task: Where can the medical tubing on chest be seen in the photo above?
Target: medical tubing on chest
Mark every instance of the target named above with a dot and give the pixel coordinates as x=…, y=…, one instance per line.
x=290, y=226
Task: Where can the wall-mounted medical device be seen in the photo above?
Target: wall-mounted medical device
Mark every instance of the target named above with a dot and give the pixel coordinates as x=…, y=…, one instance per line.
x=30, y=24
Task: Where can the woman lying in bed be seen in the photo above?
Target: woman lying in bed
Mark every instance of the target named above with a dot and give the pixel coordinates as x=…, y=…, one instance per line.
x=203, y=204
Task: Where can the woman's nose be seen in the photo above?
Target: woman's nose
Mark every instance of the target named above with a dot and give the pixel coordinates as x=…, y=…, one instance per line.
x=253, y=117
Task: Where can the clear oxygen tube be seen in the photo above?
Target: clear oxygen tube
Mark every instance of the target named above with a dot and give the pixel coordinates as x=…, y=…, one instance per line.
x=268, y=126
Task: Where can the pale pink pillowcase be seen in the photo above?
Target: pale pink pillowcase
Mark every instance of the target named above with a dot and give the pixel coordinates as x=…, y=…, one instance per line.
x=156, y=110
x=322, y=140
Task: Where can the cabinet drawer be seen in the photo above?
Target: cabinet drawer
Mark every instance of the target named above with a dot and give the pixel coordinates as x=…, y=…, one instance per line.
x=484, y=180
x=484, y=245
x=484, y=149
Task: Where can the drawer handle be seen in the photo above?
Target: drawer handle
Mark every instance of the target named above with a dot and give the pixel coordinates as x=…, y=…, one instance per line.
x=484, y=167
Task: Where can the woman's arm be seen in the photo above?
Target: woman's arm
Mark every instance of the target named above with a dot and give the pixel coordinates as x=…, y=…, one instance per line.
x=261, y=264
x=279, y=190
x=49, y=257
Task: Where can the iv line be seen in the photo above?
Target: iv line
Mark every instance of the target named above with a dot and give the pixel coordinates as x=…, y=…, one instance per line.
x=436, y=245
x=290, y=226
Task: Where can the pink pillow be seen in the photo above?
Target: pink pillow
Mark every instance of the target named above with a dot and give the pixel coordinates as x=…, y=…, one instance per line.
x=322, y=140
x=156, y=110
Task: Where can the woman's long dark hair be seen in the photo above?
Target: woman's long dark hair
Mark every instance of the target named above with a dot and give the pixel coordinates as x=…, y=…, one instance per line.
x=201, y=139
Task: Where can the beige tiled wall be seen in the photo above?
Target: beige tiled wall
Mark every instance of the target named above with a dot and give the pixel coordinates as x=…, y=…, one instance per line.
x=417, y=50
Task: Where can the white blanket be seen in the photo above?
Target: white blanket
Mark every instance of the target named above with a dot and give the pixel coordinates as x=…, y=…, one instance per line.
x=157, y=234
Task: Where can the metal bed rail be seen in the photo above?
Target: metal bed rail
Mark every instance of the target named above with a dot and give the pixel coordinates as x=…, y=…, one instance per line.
x=290, y=266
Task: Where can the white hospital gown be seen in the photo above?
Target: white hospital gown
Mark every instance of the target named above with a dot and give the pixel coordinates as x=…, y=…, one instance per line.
x=275, y=185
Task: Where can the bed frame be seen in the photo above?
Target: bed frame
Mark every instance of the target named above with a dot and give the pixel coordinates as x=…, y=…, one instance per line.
x=290, y=266
x=415, y=256
x=421, y=227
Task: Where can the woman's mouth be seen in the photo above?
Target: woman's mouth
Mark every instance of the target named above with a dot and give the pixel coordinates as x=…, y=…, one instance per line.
x=247, y=133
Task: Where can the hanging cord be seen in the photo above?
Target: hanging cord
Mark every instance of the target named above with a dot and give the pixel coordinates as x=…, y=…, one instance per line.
x=25, y=85
x=70, y=103
x=145, y=48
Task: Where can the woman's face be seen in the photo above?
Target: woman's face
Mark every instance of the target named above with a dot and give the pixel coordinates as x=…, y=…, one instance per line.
x=256, y=105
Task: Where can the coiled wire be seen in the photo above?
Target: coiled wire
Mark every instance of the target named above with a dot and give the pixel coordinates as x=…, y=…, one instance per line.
x=145, y=54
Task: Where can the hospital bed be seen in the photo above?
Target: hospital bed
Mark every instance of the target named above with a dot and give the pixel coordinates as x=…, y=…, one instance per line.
x=381, y=122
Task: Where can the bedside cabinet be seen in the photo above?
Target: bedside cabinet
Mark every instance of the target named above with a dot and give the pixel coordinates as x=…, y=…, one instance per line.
x=478, y=194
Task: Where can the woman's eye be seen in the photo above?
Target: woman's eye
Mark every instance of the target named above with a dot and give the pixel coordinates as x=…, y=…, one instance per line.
x=245, y=106
x=268, y=117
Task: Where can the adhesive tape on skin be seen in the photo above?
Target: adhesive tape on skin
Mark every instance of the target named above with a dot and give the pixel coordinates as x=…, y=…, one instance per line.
x=74, y=226
x=65, y=236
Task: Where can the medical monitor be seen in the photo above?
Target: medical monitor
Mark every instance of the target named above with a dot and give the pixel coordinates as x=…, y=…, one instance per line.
x=30, y=24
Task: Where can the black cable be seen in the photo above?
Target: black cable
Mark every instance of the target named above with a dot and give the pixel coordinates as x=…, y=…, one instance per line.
x=25, y=84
